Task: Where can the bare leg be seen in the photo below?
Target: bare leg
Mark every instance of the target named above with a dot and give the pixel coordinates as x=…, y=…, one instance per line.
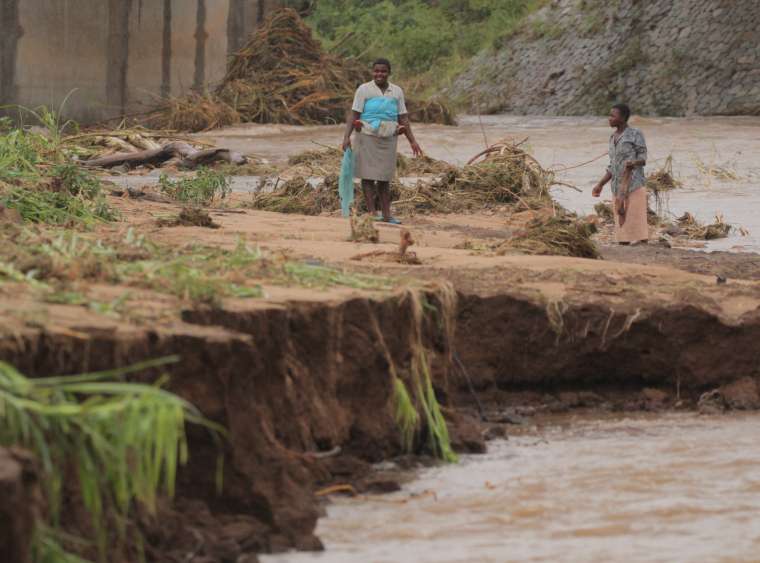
x=368, y=187
x=384, y=190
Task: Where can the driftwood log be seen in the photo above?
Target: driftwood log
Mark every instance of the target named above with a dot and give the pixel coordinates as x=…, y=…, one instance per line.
x=187, y=156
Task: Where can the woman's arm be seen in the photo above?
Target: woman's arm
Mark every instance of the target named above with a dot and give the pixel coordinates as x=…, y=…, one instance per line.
x=353, y=116
x=597, y=191
x=406, y=129
x=640, y=151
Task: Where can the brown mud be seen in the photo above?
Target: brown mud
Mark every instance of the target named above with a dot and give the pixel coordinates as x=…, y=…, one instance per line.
x=302, y=379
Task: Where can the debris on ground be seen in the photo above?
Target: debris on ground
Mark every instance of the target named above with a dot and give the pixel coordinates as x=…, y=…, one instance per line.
x=504, y=175
x=327, y=160
x=660, y=183
x=281, y=75
x=603, y=210
x=297, y=195
x=693, y=229
x=193, y=112
x=363, y=228
x=179, y=153
x=190, y=217
x=561, y=235
x=400, y=256
x=421, y=165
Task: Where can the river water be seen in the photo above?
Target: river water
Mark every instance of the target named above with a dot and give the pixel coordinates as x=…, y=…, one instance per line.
x=647, y=488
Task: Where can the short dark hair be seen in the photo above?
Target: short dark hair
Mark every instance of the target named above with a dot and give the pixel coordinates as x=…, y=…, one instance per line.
x=382, y=61
x=624, y=110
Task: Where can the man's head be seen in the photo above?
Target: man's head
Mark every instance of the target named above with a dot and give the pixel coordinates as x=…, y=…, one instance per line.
x=381, y=70
x=619, y=115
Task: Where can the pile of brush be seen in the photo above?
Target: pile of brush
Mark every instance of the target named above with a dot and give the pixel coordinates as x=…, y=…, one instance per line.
x=297, y=195
x=561, y=235
x=281, y=75
x=660, y=183
x=693, y=229
x=507, y=176
x=502, y=175
x=327, y=161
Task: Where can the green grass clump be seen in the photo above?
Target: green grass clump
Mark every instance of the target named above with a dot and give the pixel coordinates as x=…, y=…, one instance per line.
x=39, y=178
x=52, y=262
x=120, y=443
x=406, y=416
x=202, y=189
x=322, y=277
x=438, y=432
x=41, y=205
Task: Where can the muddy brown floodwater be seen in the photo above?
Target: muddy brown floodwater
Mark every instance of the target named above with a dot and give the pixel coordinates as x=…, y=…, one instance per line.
x=674, y=487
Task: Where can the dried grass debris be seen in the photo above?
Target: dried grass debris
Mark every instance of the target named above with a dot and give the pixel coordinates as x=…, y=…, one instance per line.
x=297, y=195
x=560, y=235
x=281, y=75
x=693, y=229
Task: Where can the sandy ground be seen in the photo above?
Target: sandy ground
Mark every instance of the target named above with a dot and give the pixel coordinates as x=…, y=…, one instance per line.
x=439, y=241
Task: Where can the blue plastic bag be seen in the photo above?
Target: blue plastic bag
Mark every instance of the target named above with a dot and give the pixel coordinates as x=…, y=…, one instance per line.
x=346, y=182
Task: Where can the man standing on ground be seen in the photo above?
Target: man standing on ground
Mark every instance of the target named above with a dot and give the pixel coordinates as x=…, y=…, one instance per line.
x=379, y=115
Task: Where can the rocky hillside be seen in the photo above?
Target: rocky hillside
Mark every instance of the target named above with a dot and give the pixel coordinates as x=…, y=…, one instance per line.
x=663, y=57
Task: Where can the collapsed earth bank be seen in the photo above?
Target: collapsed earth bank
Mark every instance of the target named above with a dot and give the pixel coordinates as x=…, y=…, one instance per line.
x=307, y=390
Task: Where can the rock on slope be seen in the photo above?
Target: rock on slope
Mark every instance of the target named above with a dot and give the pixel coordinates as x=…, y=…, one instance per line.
x=664, y=57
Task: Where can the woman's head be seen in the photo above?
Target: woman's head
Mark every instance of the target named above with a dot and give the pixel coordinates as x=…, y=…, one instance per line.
x=619, y=115
x=381, y=70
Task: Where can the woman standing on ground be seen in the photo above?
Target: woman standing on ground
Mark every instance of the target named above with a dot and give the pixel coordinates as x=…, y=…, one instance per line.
x=379, y=115
x=628, y=155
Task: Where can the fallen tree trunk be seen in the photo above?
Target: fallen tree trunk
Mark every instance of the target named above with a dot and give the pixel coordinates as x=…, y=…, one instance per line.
x=200, y=158
x=191, y=157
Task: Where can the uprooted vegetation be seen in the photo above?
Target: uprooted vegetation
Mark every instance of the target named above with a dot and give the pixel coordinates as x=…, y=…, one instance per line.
x=281, y=75
x=560, y=235
x=326, y=161
x=504, y=177
x=205, y=187
x=40, y=179
x=695, y=229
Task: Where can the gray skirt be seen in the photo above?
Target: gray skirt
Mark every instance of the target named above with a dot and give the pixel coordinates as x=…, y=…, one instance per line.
x=375, y=157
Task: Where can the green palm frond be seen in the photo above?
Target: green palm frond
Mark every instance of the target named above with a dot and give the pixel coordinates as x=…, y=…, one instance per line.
x=124, y=440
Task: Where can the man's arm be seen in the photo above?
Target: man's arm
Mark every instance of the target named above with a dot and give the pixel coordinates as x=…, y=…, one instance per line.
x=353, y=116
x=406, y=129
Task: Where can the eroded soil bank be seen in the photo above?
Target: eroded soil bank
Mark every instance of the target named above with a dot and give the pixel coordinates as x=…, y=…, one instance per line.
x=302, y=378
x=304, y=381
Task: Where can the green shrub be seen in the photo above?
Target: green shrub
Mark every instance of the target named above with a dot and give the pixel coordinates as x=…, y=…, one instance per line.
x=418, y=36
x=201, y=189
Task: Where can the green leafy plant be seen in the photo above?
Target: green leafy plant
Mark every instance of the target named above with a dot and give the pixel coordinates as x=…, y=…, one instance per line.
x=40, y=180
x=201, y=189
x=121, y=442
